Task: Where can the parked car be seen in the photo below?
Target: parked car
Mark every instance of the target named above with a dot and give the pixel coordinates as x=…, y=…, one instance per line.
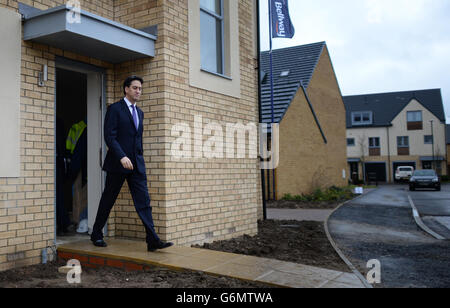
x=424, y=179
x=404, y=173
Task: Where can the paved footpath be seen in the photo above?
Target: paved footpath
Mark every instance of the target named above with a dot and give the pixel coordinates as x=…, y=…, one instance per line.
x=302, y=214
x=298, y=214
x=133, y=255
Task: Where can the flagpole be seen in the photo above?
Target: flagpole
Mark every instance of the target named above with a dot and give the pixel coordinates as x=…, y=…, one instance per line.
x=271, y=90
x=271, y=62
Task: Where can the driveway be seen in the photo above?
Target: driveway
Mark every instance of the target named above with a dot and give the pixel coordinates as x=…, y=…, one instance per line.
x=380, y=226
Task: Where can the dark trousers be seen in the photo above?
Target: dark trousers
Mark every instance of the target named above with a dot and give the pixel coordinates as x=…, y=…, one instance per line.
x=138, y=187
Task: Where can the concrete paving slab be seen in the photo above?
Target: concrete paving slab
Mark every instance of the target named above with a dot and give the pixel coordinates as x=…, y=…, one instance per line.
x=272, y=272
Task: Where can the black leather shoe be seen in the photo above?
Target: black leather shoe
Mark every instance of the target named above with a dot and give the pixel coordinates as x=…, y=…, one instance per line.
x=100, y=243
x=160, y=245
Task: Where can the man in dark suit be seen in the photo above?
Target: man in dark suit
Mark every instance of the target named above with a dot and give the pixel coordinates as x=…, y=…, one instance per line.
x=123, y=131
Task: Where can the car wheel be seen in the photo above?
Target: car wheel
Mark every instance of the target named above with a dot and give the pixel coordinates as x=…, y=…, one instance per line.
x=411, y=188
x=438, y=188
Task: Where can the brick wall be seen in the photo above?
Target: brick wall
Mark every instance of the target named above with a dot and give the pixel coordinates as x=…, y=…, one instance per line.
x=306, y=162
x=193, y=201
x=27, y=203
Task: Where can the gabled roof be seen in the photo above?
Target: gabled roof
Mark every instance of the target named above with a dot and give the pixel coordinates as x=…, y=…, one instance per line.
x=448, y=133
x=301, y=62
x=386, y=106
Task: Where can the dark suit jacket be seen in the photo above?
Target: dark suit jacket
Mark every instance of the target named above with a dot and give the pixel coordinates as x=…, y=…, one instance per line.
x=123, y=139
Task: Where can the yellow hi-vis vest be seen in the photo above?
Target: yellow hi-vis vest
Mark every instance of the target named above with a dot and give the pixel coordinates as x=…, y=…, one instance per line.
x=75, y=133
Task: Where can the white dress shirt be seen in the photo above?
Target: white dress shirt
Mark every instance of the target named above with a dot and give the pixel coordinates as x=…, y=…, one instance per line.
x=130, y=107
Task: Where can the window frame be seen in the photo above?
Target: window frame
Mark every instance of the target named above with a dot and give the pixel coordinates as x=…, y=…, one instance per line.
x=221, y=18
x=425, y=139
x=402, y=145
x=414, y=112
x=351, y=144
x=361, y=115
x=375, y=146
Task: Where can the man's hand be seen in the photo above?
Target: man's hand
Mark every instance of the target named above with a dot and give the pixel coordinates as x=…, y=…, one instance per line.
x=126, y=163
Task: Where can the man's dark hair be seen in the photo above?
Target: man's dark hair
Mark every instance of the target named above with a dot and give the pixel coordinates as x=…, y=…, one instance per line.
x=129, y=80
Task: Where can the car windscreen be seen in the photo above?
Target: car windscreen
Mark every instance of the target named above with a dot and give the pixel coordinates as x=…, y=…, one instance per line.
x=425, y=173
x=405, y=169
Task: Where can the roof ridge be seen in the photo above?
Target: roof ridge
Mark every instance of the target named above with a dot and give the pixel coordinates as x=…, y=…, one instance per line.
x=294, y=47
x=394, y=92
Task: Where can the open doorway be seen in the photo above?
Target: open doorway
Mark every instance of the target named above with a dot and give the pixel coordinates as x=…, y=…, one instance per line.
x=79, y=148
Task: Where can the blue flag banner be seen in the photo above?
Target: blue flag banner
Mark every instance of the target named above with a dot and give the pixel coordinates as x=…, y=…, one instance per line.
x=281, y=21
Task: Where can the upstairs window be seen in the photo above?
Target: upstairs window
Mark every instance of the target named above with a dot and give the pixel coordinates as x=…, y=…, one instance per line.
x=403, y=142
x=362, y=118
x=403, y=145
x=374, y=142
x=351, y=142
x=415, y=120
x=211, y=36
x=374, y=146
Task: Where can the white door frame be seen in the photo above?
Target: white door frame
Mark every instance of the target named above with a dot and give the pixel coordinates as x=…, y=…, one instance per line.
x=96, y=145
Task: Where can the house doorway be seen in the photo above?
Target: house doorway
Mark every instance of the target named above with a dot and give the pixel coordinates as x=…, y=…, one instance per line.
x=375, y=172
x=79, y=149
x=354, y=172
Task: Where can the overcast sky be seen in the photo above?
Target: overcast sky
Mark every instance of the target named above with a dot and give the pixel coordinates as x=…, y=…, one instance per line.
x=376, y=45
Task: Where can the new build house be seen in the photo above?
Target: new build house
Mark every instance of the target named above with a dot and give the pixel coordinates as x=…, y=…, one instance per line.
x=62, y=65
x=308, y=106
x=388, y=130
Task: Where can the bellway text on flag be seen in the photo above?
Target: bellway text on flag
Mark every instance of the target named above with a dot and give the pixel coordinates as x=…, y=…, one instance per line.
x=281, y=22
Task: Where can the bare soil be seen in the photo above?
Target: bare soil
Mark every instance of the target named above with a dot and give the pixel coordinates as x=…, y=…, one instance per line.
x=47, y=276
x=302, y=242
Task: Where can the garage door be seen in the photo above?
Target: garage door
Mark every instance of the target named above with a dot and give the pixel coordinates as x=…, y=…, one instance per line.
x=376, y=172
x=398, y=164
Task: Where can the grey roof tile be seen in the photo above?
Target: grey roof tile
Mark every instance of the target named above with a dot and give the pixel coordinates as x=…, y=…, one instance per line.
x=301, y=61
x=386, y=106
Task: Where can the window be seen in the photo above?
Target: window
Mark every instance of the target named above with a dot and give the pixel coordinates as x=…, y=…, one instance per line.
x=414, y=120
x=428, y=139
x=403, y=145
x=414, y=116
x=374, y=142
x=362, y=118
x=285, y=73
x=374, y=147
x=211, y=36
x=403, y=142
x=221, y=73
x=351, y=142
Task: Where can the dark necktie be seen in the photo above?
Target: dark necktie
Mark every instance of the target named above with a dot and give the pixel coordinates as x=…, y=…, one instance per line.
x=135, y=119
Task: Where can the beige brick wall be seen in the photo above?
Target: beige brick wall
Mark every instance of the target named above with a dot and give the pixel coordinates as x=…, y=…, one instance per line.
x=27, y=203
x=306, y=162
x=193, y=201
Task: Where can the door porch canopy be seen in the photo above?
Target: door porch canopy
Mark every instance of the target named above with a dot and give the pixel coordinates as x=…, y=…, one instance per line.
x=86, y=34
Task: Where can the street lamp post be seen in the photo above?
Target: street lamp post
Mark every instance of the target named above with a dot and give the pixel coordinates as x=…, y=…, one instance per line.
x=432, y=142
